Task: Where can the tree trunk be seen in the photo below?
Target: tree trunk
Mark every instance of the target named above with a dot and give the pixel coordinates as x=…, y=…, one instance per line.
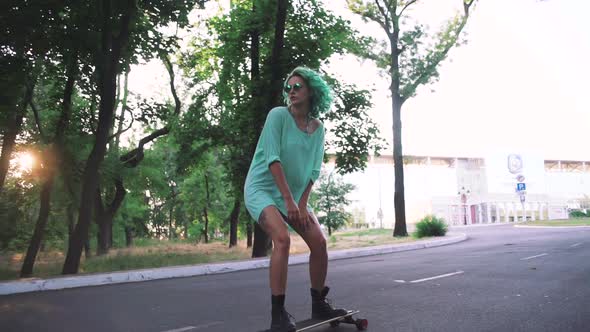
x=108, y=65
x=276, y=68
x=71, y=221
x=398, y=160
x=52, y=157
x=207, y=204
x=256, y=96
x=128, y=236
x=249, y=235
x=103, y=236
x=170, y=217
x=256, y=93
x=122, y=114
x=261, y=241
x=206, y=230
x=87, y=248
x=105, y=217
x=102, y=247
x=33, y=249
x=233, y=219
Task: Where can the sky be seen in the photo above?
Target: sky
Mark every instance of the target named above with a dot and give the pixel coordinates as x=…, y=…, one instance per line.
x=518, y=85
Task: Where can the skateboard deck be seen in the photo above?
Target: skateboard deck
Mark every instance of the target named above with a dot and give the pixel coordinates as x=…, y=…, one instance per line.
x=361, y=324
x=309, y=324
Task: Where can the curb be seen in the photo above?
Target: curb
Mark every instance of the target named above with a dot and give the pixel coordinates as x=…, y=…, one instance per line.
x=57, y=283
x=491, y=224
x=558, y=227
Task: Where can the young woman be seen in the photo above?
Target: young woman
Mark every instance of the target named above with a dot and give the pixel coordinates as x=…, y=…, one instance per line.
x=286, y=163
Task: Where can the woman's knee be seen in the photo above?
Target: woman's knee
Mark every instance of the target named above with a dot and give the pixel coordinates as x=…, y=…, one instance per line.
x=318, y=243
x=282, y=241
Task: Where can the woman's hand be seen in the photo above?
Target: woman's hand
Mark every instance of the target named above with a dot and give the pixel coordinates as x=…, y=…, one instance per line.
x=294, y=214
x=306, y=218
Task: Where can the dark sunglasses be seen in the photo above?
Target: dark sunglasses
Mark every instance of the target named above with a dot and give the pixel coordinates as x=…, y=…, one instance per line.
x=296, y=87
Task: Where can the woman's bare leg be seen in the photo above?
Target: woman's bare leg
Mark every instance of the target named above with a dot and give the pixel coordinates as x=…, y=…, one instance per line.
x=318, y=268
x=273, y=224
x=318, y=258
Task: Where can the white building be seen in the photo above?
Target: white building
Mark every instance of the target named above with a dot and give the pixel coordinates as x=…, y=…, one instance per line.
x=471, y=190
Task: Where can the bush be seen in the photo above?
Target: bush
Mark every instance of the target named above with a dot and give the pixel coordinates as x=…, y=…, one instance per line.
x=578, y=214
x=431, y=225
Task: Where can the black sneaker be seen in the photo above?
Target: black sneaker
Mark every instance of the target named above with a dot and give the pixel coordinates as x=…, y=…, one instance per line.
x=321, y=307
x=282, y=321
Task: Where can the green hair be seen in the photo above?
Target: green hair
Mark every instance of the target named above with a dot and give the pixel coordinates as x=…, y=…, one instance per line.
x=321, y=95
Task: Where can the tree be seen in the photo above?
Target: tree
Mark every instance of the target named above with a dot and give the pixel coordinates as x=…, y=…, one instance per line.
x=244, y=49
x=127, y=29
x=329, y=200
x=409, y=65
x=41, y=38
x=25, y=30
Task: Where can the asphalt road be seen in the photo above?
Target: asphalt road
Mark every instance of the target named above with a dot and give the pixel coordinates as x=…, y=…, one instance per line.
x=501, y=279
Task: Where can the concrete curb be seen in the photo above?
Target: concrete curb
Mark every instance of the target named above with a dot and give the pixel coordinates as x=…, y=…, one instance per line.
x=472, y=226
x=57, y=283
x=558, y=227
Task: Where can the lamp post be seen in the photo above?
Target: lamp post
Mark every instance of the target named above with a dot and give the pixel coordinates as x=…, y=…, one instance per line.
x=463, y=194
x=380, y=211
x=328, y=214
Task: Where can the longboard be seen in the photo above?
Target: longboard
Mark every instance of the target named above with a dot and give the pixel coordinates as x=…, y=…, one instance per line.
x=308, y=324
x=361, y=324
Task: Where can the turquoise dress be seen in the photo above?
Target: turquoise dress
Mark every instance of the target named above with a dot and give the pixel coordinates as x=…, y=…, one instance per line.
x=300, y=154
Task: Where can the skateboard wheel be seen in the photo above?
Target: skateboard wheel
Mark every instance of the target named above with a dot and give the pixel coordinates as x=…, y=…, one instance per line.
x=334, y=323
x=361, y=324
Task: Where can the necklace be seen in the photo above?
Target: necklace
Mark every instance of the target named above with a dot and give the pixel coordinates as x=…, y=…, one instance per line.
x=307, y=121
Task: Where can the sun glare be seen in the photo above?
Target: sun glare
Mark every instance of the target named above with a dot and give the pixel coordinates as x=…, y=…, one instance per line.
x=24, y=161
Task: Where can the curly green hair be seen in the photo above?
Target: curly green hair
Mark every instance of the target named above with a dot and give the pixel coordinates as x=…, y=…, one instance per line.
x=321, y=95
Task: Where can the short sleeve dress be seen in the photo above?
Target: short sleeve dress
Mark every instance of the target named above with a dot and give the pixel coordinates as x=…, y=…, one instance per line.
x=300, y=154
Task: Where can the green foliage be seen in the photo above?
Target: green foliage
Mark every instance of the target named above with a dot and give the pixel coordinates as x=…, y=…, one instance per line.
x=227, y=113
x=212, y=139
x=431, y=225
x=578, y=214
x=205, y=187
x=355, y=134
x=329, y=200
x=333, y=239
x=419, y=52
x=15, y=223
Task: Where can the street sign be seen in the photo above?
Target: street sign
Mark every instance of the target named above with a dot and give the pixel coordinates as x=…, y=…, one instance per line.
x=520, y=186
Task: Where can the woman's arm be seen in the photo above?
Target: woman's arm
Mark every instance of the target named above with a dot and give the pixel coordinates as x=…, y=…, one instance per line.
x=276, y=169
x=305, y=197
x=306, y=219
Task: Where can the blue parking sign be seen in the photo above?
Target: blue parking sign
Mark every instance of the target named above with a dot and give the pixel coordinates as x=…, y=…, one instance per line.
x=520, y=187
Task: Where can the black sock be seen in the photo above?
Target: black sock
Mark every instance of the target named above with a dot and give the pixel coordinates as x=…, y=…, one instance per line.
x=277, y=300
x=278, y=303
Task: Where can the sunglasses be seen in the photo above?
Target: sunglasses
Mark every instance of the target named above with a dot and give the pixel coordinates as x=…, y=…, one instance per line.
x=296, y=87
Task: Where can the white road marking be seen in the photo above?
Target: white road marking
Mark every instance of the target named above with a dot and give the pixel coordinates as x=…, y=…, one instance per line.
x=437, y=277
x=198, y=327
x=531, y=257
x=400, y=281
x=576, y=244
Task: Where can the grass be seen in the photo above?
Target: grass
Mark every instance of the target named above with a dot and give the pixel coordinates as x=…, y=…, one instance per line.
x=365, y=238
x=564, y=222
x=149, y=253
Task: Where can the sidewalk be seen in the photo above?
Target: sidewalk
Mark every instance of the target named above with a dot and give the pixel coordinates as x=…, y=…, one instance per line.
x=36, y=284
